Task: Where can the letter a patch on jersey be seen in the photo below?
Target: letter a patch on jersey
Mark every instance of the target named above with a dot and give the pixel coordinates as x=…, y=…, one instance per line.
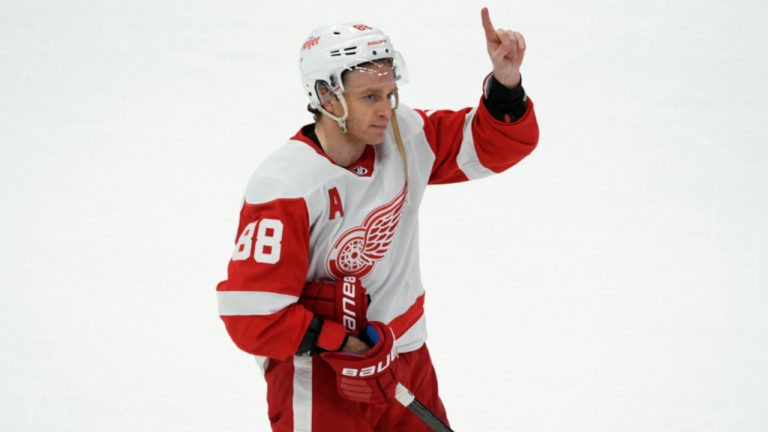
x=335, y=204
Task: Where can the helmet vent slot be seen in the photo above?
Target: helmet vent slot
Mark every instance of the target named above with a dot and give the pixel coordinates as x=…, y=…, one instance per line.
x=347, y=52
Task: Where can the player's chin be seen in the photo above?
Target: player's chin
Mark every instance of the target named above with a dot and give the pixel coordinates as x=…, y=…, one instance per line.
x=376, y=134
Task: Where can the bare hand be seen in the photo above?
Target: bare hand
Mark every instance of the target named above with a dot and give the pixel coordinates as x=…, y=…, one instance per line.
x=354, y=346
x=506, y=49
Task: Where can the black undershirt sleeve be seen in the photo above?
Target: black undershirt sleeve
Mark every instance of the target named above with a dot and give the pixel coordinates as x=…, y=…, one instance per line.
x=504, y=104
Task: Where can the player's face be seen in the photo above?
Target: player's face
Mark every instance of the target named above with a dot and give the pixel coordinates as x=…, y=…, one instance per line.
x=369, y=96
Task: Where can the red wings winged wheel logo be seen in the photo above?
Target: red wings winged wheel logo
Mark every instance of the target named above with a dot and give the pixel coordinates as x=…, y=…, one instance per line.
x=358, y=249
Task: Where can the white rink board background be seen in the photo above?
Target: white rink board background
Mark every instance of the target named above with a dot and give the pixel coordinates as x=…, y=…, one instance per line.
x=613, y=281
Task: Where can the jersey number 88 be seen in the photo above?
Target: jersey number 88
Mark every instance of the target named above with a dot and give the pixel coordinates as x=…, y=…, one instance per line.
x=268, y=239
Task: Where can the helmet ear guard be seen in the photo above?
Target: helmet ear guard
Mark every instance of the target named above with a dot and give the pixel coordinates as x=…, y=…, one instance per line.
x=325, y=93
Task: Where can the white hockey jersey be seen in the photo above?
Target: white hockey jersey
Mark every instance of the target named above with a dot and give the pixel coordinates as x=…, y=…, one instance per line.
x=306, y=219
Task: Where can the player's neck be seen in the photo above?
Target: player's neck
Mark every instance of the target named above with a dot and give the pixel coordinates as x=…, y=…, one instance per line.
x=341, y=148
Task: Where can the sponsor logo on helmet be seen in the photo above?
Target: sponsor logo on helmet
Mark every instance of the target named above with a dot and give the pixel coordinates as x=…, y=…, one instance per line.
x=311, y=42
x=378, y=42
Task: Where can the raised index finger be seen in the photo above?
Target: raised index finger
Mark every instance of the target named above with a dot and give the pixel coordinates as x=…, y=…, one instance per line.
x=490, y=33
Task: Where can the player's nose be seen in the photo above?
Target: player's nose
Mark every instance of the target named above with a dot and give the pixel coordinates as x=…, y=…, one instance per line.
x=384, y=110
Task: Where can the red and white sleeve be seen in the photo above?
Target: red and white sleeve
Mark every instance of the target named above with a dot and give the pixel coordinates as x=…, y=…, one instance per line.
x=471, y=143
x=258, y=301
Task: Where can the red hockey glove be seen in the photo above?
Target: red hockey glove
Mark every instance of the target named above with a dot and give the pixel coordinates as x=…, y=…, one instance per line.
x=344, y=302
x=372, y=377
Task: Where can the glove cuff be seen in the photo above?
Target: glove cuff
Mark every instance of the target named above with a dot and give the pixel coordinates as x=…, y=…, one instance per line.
x=332, y=336
x=322, y=336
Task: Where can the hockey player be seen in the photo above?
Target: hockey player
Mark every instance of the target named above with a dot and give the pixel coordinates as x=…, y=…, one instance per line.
x=323, y=285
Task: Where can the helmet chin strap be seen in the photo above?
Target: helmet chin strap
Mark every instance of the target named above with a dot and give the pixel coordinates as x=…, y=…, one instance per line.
x=341, y=121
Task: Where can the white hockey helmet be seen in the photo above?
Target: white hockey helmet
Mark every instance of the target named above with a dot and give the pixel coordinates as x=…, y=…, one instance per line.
x=331, y=50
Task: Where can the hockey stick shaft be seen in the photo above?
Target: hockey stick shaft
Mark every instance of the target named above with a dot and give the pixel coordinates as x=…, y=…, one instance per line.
x=405, y=397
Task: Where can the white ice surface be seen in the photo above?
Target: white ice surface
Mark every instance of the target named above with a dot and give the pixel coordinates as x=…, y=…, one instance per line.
x=610, y=282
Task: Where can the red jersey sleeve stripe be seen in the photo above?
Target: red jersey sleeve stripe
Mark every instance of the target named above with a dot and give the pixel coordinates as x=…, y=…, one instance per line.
x=407, y=319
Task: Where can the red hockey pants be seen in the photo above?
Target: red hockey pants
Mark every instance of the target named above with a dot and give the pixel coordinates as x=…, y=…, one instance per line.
x=302, y=396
